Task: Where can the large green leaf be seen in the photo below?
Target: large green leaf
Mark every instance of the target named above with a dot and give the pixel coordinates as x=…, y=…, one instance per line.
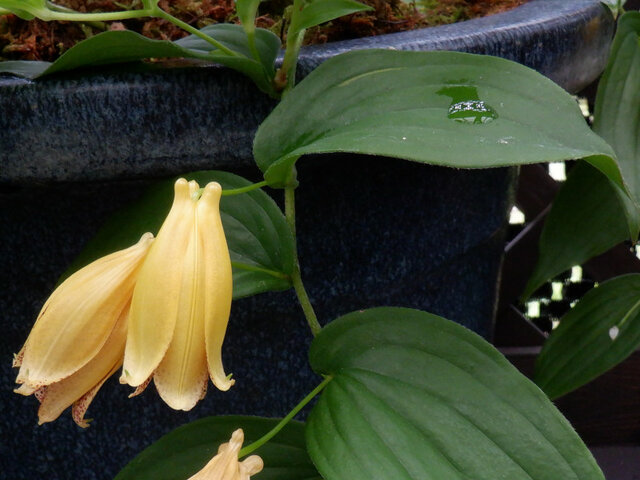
x=587, y=218
x=417, y=397
x=444, y=108
x=315, y=12
x=184, y=451
x=259, y=239
x=617, y=110
x=598, y=333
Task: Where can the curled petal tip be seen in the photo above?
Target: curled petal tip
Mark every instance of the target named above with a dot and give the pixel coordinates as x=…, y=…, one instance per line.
x=180, y=183
x=146, y=238
x=237, y=438
x=252, y=465
x=213, y=188
x=225, y=384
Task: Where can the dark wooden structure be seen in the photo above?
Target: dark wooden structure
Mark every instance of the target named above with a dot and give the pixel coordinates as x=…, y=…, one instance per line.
x=607, y=410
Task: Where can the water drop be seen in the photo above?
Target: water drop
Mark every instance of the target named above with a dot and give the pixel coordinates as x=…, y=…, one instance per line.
x=466, y=106
x=613, y=332
x=472, y=111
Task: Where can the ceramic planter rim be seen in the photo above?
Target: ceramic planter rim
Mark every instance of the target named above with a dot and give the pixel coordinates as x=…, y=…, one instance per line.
x=69, y=127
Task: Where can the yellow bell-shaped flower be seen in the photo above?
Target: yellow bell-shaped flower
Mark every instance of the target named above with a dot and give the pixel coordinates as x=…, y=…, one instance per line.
x=78, y=339
x=181, y=302
x=225, y=465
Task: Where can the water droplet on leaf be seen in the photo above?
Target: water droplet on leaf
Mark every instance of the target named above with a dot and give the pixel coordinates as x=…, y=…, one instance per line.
x=613, y=332
x=466, y=106
x=472, y=111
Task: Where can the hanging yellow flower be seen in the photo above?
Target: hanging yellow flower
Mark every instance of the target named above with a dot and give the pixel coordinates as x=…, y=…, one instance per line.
x=225, y=465
x=181, y=302
x=78, y=339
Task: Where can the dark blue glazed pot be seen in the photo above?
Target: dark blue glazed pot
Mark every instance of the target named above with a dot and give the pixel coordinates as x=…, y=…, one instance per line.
x=74, y=148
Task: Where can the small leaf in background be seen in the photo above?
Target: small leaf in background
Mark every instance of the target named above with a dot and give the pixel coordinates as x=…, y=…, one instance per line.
x=234, y=37
x=26, y=9
x=598, y=333
x=316, y=12
x=617, y=109
x=24, y=68
x=587, y=218
x=417, y=397
x=150, y=4
x=246, y=10
x=185, y=450
x=259, y=239
x=614, y=5
x=410, y=105
x=125, y=46
x=117, y=47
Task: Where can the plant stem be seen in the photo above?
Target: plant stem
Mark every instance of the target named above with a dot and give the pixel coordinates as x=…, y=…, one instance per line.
x=97, y=17
x=129, y=14
x=296, y=277
x=286, y=75
x=258, y=443
x=248, y=188
x=59, y=8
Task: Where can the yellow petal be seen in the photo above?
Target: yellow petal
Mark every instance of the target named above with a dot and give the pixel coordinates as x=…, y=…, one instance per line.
x=225, y=465
x=156, y=297
x=218, y=287
x=80, y=388
x=80, y=406
x=79, y=316
x=182, y=375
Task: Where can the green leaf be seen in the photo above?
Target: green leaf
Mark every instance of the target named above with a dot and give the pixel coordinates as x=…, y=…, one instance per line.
x=315, y=12
x=184, y=451
x=614, y=5
x=19, y=13
x=587, y=218
x=246, y=10
x=444, y=108
x=417, y=397
x=235, y=38
x=117, y=47
x=259, y=239
x=598, y=333
x=126, y=46
x=26, y=9
x=24, y=68
x=617, y=109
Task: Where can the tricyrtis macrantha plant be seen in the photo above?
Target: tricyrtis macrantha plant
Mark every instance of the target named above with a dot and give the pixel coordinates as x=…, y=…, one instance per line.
x=181, y=302
x=79, y=337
